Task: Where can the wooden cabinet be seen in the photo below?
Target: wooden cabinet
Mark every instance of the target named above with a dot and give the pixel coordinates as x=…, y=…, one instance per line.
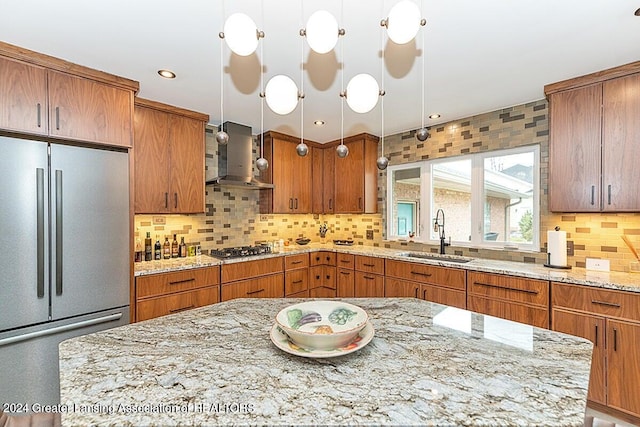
x=169, y=156
x=442, y=285
x=611, y=320
x=512, y=298
x=356, y=185
x=323, y=177
x=263, y=278
x=166, y=293
x=594, y=136
x=289, y=173
x=296, y=275
x=47, y=96
x=345, y=275
x=369, y=276
x=322, y=275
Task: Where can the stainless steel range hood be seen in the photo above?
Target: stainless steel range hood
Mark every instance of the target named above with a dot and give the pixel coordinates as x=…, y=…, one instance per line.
x=235, y=159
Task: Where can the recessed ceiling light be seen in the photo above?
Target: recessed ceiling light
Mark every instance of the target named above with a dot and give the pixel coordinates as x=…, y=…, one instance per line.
x=434, y=116
x=167, y=74
x=319, y=123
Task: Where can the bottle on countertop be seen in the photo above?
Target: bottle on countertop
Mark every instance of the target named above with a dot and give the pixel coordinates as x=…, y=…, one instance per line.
x=148, y=248
x=182, y=249
x=157, y=249
x=166, y=249
x=174, y=247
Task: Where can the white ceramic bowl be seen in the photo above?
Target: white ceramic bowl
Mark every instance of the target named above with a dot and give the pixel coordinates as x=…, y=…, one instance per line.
x=322, y=325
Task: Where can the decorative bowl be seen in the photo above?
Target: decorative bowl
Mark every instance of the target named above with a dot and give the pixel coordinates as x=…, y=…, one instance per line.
x=322, y=325
x=302, y=240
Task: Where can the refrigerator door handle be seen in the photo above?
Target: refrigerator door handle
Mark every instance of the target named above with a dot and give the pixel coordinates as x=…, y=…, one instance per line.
x=59, y=329
x=40, y=231
x=59, y=216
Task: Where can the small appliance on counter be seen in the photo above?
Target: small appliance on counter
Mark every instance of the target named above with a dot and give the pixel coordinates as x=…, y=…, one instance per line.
x=557, y=249
x=241, y=251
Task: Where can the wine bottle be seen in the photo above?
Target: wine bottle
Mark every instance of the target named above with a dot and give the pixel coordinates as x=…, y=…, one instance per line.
x=148, y=250
x=157, y=249
x=182, y=248
x=166, y=249
x=174, y=247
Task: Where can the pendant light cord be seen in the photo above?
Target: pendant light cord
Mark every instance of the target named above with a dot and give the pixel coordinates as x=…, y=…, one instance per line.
x=262, y=87
x=301, y=95
x=423, y=55
x=342, y=76
x=222, y=74
x=382, y=80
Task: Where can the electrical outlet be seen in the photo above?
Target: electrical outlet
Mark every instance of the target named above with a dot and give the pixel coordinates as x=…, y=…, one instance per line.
x=159, y=220
x=570, y=250
x=597, y=264
x=370, y=234
x=264, y=218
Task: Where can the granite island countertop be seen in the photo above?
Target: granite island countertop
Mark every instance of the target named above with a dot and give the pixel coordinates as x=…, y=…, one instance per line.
x=426, y=364
x=579, y=276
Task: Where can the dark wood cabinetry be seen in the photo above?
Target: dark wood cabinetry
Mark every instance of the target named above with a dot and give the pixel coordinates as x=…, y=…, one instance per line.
x=168, y=159
x=594, y=135
x=262, y=278
x=356, y=184
x=296, y=275
x=322, y=275
x=369, y=276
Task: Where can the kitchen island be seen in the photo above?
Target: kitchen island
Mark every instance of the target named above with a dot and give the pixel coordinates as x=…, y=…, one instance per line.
x=426, y=364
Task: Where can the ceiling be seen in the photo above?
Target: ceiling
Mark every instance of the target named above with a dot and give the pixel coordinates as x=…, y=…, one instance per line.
x=479, y=55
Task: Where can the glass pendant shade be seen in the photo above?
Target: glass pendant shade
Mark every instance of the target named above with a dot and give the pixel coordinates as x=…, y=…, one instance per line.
x=262, y=164
x=241, y=34
x=403, y=22
x=281, y=94
x=322, y=31
x=362, y=93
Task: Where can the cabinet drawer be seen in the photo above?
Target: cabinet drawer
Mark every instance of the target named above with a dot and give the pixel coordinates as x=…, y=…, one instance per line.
x=368, y=285
x=345, y=261
x=511, y=311
x=174, y=303
x=296, y=281
x=323, y=258
x=345, y=282
x=444, y=296
x=261, y=287
x=167, y=283
x=435, y=275
x=606, y=302
x=296, y=261
x=509, y=288
x=248, y=269
x=369, y=264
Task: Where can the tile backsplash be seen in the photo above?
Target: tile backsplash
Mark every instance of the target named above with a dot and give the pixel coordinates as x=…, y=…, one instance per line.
x=233, y=218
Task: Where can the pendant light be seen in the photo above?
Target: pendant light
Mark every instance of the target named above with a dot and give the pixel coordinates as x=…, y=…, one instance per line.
x=241, y=34
x=261, y=163
x=382, y=162
x=221, y=136
x=322, y=32
x=403, y=22
x=302, y=149
x=423, y=134
x=342, y=150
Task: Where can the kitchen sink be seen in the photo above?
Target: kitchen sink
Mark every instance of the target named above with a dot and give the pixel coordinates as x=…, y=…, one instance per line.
x=437, y=257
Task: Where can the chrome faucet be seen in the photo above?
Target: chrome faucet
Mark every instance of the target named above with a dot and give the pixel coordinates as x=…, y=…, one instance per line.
x=438, y=226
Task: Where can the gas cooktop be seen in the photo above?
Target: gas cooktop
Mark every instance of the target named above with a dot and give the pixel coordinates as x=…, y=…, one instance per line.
x=240, y=251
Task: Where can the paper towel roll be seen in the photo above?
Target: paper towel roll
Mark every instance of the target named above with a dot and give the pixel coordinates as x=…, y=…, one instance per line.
x=557, y=248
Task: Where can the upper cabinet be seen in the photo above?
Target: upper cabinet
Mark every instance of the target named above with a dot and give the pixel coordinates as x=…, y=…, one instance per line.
x=47, y=96
x=169, y=152
x=289, y=173
x=594, y=135
x=323, y=175
x=356, y=184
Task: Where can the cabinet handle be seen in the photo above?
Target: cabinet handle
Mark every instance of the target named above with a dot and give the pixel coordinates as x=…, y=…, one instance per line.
x=359, y=202
x=368, y=277
x=595, y=343
x=369, y=265
x=615, y=339
x=175, y=196
x=255, y=292
x=166, y=200
x=330, y=204
x=609, y=194
x=416, y=292
x=317, y=277
x=291, y=203
x=177, y=282
x=317, y=258
x=328, y=258
x=605, y=303
x=328, y=276
x=57, y=118
x=593, y=194
x=419, y=273
x=59, y=230
x=490, y=285
x=346, y=273
x=40, y=233
x=39, y=107
x=295, y=282
x=345, y=261
x=296, y=203
x=424, y=294
x=296, y=262
x=176, y=310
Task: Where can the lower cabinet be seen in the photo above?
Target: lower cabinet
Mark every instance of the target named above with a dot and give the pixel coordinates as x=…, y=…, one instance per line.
x=611, y=320
x=296, y=276
x=166, y=293
x=369, y=276
x=263, y=278
x=508, y=297
x=322, y=275
x=345, y=276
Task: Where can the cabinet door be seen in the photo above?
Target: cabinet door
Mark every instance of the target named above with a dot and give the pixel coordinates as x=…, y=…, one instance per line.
x=623, y=361
x=368, y=285
x=317, y=178
x=296, y=281
x=345, y=283
x=621, y=144
x=300, y=174
x=401, y=288
x=151, y=161
x=444, y=296
x=591, y=328
x=574, y=150
x=23, y=97
x=349, y=188
x=85, y=110
x=283, y=176
x=328, y=179
x=174, y=303
x=260, y=287
x=186, y=139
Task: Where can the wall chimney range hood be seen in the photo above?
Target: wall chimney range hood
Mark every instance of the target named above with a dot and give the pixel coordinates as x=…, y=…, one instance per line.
x=235, y=160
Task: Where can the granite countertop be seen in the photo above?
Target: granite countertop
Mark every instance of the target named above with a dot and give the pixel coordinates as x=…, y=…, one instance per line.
x=580, y=276
x=427, y=364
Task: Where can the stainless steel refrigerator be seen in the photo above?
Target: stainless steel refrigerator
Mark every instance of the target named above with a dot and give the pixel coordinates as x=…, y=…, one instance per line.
x=64, y=257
